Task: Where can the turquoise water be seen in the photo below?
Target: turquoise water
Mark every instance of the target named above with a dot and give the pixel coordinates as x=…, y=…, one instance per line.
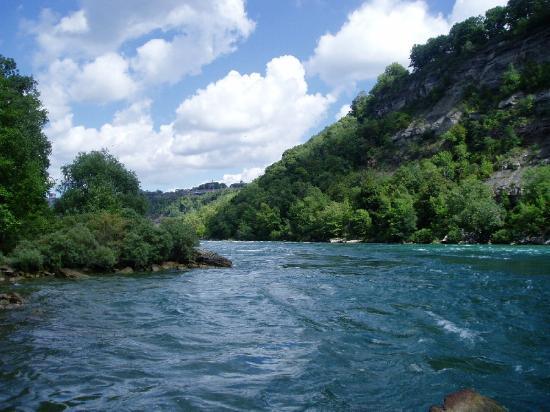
x=290, y=327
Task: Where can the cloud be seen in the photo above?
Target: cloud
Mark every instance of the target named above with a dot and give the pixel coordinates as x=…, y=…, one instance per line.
x=249, y=118
x=118, y=49
x=74, y=23
x=247, y=175
x=344, y=110
x=103, y=80
x=378, y=33
x=241, y=121
x=463, y=9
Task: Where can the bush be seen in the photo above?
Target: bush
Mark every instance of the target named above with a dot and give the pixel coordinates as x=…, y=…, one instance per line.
x=71, y=247
x=474, y=210
x=423, y=236
x=103, y=259
x=27, y=257
x=501, y=236
x=454, y=235
x=135, y=251
x=183, y=237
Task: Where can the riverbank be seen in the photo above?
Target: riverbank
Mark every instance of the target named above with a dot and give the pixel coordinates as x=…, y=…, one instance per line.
x=202, y=259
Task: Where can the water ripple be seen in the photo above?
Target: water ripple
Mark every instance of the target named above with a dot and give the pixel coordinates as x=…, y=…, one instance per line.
x=291, y=326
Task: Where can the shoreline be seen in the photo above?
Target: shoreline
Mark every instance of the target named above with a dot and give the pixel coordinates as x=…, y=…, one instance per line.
x=204, y=259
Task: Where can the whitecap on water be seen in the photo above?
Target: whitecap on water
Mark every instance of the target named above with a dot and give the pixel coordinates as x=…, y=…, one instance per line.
x=449, y=326
x=415, y=368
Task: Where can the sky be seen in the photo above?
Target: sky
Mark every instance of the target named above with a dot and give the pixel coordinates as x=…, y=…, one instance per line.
x=189, y=91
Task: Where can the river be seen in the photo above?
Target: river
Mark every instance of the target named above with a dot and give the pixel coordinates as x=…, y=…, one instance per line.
x=292, y=326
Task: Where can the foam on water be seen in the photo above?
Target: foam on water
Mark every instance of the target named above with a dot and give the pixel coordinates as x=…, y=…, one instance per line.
x=463, y=333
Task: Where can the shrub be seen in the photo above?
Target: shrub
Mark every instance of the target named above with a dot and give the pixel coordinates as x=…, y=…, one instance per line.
x=71, y=247
x=423, y=236
x=27, y=257
x=103, y=259
x=501, y=236
x=183, y=237
x=454, y=235
x=474, y=210
x=135, y=251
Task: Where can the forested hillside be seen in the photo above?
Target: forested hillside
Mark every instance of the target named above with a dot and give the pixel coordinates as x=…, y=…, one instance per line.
x=456, y=149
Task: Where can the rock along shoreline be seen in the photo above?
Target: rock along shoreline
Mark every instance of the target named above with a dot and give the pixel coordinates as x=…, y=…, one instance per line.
x=203, y=259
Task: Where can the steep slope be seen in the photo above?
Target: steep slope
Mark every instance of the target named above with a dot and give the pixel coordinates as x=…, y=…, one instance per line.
x=454, y=150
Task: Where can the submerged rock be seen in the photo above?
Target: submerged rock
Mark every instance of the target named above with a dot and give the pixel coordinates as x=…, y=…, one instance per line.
x=468, y=400
x=208, y=258
x=10, y=300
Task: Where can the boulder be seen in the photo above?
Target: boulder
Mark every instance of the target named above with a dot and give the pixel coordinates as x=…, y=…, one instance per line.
x=126, y=271
x=208, y=258
x=7, y=271
x=169, y=265
x=10, y=300
x=468, y=400
x=72, y=274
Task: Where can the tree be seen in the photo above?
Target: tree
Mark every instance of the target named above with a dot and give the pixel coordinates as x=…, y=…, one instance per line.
x=473, y=209
x=98, y=181
x=393, y=73
x=24, y=151
x=495, y=21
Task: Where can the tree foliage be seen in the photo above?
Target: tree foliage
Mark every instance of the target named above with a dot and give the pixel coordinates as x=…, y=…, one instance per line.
x=97, y=181
x=24, y=151
x=472, y=34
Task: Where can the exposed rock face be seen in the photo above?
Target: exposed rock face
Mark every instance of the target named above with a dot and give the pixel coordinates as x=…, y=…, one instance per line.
x=484, y=70
x=10, y=300
x=468, y=400
x=207, y=258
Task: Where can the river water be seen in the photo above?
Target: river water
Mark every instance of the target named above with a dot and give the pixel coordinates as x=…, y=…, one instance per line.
x=290, y=327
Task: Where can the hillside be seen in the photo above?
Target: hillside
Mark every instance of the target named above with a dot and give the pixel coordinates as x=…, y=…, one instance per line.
x=455, y=150
x=182, y=201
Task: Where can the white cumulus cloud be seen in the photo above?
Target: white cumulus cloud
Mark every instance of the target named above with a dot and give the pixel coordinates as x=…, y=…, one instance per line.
x=163, y=41
x=102, y=80
x=344, y=110
x=247, y=175
x=378, y=33
x=463, y=9
x=249, y=119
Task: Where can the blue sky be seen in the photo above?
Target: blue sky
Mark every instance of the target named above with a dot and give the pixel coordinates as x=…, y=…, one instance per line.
x=188, y=91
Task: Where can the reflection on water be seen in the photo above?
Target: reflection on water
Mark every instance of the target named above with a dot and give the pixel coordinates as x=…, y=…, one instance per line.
x=290, y=326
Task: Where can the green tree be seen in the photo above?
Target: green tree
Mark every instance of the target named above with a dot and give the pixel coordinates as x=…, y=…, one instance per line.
x=97, y=181
x=495, y=21
x=24, y=151
x=473, y=209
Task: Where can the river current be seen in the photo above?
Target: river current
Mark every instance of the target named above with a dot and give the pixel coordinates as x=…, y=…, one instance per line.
x=292, y=326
